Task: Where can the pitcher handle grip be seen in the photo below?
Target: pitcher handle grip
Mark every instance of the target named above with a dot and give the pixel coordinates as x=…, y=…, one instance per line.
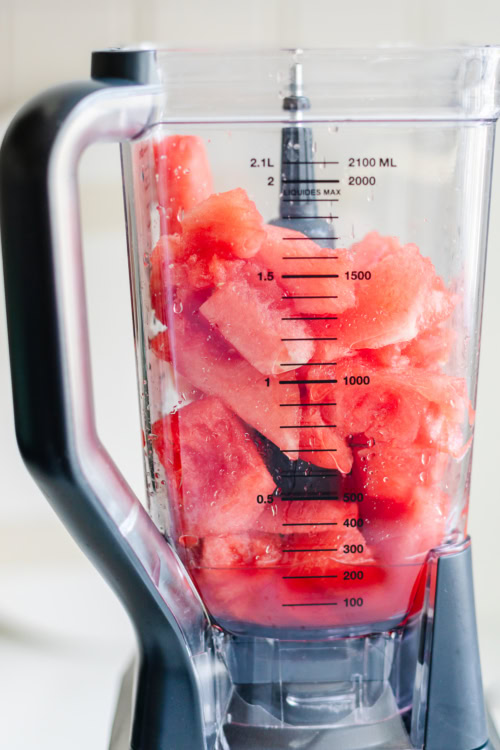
x=53, y=401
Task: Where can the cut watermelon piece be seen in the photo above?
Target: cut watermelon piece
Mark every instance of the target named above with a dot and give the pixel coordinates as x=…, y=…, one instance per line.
x=431, y=348
x=401, y=533
x=402, y=297
x=165, y=274
x=397, y=406
x=180, y=277
x=225, y=223
x=241, y=550
x=304, y=513
x=321, y=443
x=183, y=177
x=372, y=249
x=214, y=471
x=382, y=406
x=318, y=552
x=200, y=354
x=395, y=472
x=313, y=276
x=258, y=325
x=239, y=596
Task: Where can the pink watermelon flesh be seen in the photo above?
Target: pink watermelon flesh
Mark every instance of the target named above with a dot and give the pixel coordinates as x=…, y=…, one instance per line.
x=241, y=550
x=396, y=406
x=402, y=533
x=201, y=355
x=225, y=223
x=385, y=471
x=287, y=253
x=258, y=326
x=184, y=177
x=304, y=515
x=214, y=471
x=403, y=297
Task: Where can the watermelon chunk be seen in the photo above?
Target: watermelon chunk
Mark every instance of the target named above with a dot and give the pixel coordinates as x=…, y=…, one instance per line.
x=402, y=297
x=241, y=550
x=431, y=348
x=183, y=177
x=397, y=406
x=401, y=533
x=384, y=471
x=321, y=443
x=239, y=596
x=200, y=354
x=306, y=514
x=322, y=287
x=177, y=275
x=214, y=471
x=258, y=325
x=225, y=223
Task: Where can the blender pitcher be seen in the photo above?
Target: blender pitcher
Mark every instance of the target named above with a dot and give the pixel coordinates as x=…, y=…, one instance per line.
x=307, y=234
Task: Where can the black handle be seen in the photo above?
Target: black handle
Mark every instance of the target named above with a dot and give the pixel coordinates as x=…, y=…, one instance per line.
x=53, y=400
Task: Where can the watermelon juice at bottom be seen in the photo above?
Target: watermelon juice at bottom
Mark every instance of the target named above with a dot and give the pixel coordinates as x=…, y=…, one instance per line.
x=310, y=470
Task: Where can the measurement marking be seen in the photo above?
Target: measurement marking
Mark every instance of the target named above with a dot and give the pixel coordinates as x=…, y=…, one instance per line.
x=308, y=450
x=311, y=162
x=311, y=257
x=302, y=364
x=309, y=499
x=325, y=403
x=309, y=276
x=314, y=338
x=327, y=576
x=310, y=238
x=334, y=523
x=310, y=200
x=333, y=549
x=305, y=382
x=312, y=317
x=312, y=604
x=298, y=182
x=329, y=216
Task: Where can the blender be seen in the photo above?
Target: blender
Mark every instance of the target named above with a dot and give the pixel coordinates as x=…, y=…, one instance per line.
x=307, y=234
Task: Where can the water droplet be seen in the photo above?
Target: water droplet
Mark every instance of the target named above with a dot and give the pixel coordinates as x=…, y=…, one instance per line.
x=385, y=479
x=177, y=307
x=421, y=476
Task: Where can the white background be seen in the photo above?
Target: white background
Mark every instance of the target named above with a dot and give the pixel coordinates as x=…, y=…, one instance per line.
x=63, y=637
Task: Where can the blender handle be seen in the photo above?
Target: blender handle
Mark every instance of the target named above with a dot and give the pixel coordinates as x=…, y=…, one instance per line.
x=53, y=403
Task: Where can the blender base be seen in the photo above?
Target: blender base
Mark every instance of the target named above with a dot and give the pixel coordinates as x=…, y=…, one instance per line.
x=445, y=716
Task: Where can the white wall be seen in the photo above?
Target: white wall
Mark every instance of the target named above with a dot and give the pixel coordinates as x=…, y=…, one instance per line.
x=43, y=43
